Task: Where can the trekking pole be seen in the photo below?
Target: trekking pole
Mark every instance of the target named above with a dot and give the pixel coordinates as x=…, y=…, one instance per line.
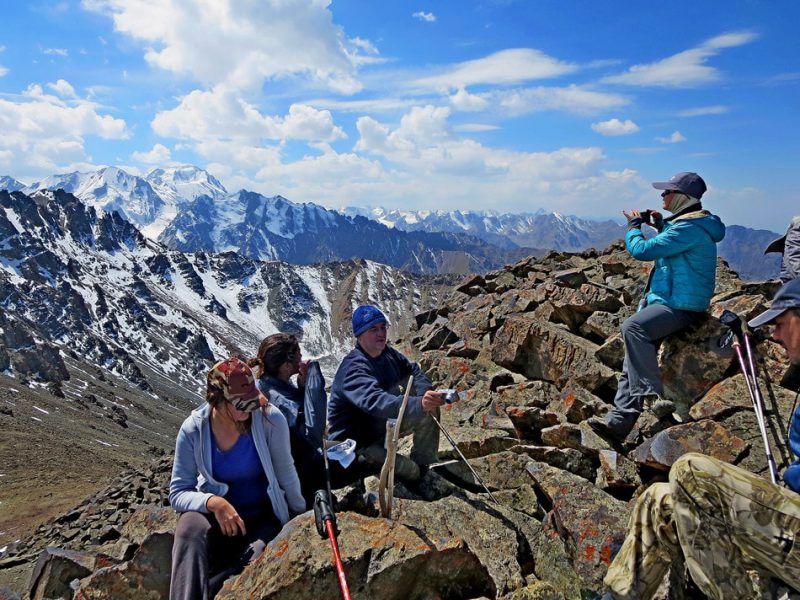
x=325, y=520
x=463, y=458
x=734, y=322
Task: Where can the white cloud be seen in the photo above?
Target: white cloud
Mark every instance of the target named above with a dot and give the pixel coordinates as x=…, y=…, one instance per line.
x=501, y=68
x=158, y=155
x=42, y=134
x=423, y=16
x=675, y=138
x=615, y=127
x=425, y=144
x=56, y=52
x=703, y=111
x=467, y=102
x=685, y=69
x=240, y=44
x=3, y=70
x=221, y=114
x=474, y=127
x=63, y=88
x=570, y=99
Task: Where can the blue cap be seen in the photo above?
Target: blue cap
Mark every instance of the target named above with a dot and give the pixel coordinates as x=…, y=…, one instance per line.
x=787, y=298
x=688, y=183
x=365, y=317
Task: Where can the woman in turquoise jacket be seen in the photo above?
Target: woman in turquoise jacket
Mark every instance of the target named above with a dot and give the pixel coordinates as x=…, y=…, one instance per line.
x=679, y=291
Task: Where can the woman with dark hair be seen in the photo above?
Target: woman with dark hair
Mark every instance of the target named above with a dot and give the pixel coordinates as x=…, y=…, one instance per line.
x=304, y=405
x=233, y=481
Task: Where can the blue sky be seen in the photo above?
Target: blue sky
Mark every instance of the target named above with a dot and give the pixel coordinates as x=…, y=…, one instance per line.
x=569, y=106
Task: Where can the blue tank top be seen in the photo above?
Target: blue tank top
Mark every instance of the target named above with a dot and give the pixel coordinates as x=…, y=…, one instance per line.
x=240, y=467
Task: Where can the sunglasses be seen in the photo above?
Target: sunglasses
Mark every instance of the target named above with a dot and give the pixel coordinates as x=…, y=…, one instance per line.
x=668, y=192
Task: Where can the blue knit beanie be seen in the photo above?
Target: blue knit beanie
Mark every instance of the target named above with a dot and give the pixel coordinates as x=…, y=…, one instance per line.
x=366, y=317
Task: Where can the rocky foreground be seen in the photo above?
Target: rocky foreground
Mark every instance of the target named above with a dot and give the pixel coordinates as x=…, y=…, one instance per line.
x=535, y=348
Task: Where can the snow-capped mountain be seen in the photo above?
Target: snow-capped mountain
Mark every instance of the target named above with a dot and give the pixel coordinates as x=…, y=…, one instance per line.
x=149, y=202
x=10, y=184
x=78, y=282
x=187, y=209
x=534, y=230
x=265, y=228
x=109, y=189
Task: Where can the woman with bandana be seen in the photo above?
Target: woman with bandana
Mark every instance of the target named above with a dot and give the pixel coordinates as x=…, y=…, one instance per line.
x=233, y=481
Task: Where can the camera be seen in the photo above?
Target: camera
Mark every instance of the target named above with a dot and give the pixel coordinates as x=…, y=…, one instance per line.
x=450, y=396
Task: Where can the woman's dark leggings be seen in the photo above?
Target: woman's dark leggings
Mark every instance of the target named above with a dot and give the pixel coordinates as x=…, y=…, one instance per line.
x=203, y=558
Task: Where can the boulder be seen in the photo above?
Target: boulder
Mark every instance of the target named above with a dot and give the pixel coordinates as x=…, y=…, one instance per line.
x=55, y=570
x=616, y=471
x=688, y=366
x=593, y=522
x=144, y=577
x=383, y=560
x=706, y=436
x=487, y=535
x=544, y=351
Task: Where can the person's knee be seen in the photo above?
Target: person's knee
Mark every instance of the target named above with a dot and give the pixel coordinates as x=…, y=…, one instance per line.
x=631, y=329
x=687, y=466
x=192, y=526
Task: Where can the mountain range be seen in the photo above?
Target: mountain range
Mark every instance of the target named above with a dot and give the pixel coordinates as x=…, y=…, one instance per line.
x=565, y=233
x=86, y=283
x=187, y=209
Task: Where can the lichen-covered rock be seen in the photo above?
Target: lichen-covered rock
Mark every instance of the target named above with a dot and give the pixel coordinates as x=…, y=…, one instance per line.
x=706, y=436
x=541, y=350
x=594, y=522
x=383, y=560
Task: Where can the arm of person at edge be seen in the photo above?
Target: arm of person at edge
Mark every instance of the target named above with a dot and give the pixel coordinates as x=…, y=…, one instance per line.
x=361, y=388
x=790, y=263
x=282, y=462
x=677, y=239
x=791, y=476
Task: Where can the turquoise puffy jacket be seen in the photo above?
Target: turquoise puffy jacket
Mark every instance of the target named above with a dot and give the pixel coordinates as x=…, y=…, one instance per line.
x=685, y=255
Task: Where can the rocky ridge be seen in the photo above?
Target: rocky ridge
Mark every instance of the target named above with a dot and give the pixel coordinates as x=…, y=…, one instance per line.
x=535, y=349
x=73, y=280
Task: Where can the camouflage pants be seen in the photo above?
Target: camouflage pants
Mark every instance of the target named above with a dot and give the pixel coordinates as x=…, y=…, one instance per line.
x=724, y=520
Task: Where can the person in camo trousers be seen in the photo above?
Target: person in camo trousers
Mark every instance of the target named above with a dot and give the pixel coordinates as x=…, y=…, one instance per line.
x=722, y=519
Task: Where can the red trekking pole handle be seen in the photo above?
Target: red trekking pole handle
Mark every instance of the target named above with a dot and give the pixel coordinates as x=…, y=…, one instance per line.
x=326, y=527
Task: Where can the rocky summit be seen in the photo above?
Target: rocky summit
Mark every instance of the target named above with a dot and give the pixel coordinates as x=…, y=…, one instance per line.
x=534, y=349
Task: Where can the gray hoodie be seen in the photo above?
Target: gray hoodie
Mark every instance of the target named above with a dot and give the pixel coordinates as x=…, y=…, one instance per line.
x=193, y=483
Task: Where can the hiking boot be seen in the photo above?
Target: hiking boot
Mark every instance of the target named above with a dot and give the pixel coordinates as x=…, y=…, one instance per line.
x=406, y=469
x=602, y=428
x=658, y=406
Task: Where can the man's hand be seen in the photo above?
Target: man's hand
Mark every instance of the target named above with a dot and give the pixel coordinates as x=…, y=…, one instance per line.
x=432, y=400
x=229, y=520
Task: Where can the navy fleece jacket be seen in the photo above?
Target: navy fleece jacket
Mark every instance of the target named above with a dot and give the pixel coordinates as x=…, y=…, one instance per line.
x=367, y=391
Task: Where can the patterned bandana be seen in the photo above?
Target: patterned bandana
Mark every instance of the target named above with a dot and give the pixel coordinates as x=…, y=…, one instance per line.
x=237, y=383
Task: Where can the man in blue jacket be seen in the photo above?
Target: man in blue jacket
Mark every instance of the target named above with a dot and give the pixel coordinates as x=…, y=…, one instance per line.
x=368, y=389
x=718, y=519
x=678, y=293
